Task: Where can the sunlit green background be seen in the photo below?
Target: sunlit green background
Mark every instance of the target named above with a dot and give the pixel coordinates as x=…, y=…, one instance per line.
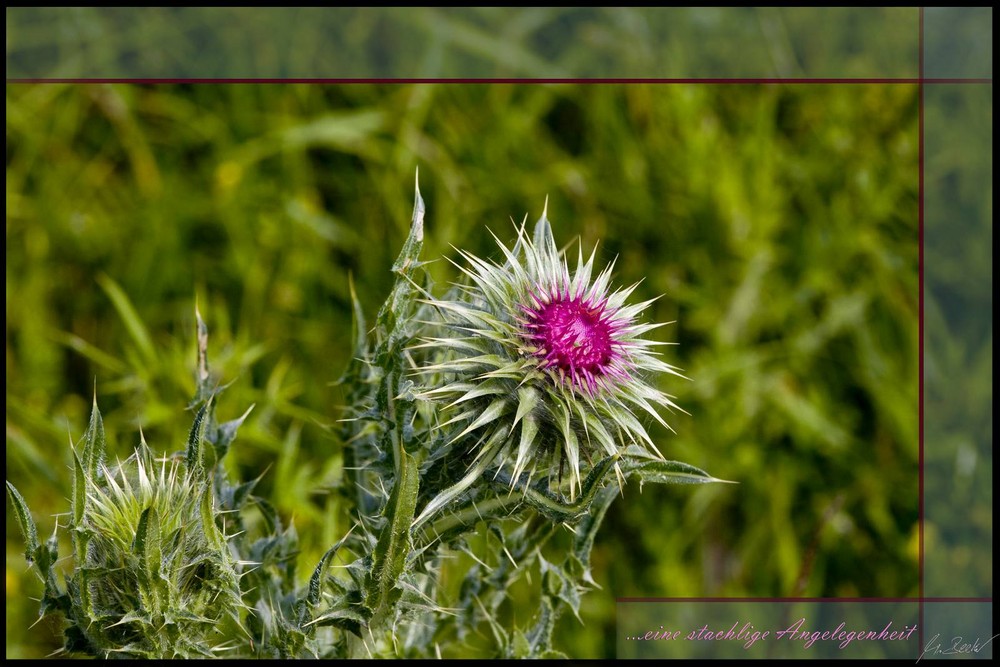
x=778, y=222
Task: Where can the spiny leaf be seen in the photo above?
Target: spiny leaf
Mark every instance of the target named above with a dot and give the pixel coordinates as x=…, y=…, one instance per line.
x=46, y=556
x=539, y=638
x=552, y=654
x=394, y=310
x=207, y=508
x=358, y=324
x=347, y=618
x=316, y=580
x=559, y=584
x=94, y=442
x=394, y=541
x=415, y=240
x=226, y=433
x=586, y=530
x=666, y=472
x=25, y=521
x=519, y=647
x=80, y=535
x=500, y=635
x=239, y=495
x=468, y=514
x=79, y=491
x=553, y=507
x=196, y=440
x=272, y=521
x=510, y=494
x=351, y=375
x=147, y=542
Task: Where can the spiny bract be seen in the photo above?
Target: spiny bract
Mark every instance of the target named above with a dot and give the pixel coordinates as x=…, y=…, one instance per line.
x=538, y=365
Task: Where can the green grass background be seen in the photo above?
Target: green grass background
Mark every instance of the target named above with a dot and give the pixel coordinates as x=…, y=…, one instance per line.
x=779, y=222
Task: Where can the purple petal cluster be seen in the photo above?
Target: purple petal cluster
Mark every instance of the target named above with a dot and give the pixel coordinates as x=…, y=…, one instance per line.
x=577, y=337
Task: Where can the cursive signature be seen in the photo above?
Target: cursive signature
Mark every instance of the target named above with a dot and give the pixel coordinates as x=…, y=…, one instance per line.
x=958, y=646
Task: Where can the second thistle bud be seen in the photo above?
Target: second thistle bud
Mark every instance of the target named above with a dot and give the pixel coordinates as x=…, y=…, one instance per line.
x=157, y=578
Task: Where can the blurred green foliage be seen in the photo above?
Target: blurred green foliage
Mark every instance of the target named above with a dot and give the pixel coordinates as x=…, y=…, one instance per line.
x=467, y=42
x=779, y=222
x=958, y=341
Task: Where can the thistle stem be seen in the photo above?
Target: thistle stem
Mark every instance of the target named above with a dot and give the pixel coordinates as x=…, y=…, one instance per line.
x=489, y=508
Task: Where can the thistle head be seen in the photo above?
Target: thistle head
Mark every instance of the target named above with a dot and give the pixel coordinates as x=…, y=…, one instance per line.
x=157, y=578
x=542, y=367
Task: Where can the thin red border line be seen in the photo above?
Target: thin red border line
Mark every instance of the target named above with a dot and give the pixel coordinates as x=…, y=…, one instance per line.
x=920, y=320
x=909, y=80
x=918, y=601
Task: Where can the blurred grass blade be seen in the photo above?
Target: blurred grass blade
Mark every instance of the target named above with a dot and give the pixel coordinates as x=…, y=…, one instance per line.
x=90, y=351
x=136, y=329
x=346, y=131
x=511, y=57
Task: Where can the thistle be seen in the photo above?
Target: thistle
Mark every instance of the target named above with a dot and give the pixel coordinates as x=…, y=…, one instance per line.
x=162, y=581
x=542, y=367
x=153, y=573
x=525, y=369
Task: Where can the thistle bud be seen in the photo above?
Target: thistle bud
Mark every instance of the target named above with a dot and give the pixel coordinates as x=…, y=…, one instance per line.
x=157, y=579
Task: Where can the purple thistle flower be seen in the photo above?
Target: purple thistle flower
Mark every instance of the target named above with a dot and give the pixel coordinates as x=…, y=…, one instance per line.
x=538, y=366
x=577, y=336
